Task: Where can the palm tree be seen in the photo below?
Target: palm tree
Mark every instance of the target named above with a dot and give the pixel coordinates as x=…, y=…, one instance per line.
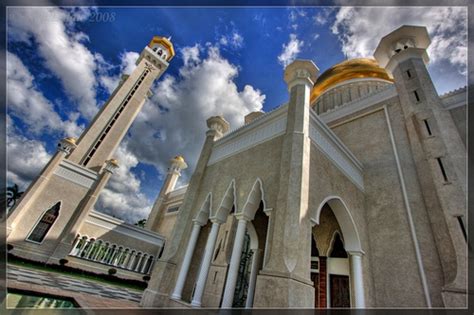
x=141, y=223
x=13, y=194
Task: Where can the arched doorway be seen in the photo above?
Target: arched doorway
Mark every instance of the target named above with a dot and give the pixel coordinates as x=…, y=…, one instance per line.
x=336, y=271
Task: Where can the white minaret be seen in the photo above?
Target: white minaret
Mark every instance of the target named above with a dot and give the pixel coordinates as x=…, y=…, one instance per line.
x=77, y=173
x=157, y=212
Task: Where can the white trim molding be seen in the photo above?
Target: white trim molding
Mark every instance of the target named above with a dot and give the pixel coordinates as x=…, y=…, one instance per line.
x=118, y=226
x=260, y=130
x=359, y=104
x=76, y=173
x=333, y=148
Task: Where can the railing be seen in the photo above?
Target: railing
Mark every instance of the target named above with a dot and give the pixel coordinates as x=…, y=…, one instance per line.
x=107, y=253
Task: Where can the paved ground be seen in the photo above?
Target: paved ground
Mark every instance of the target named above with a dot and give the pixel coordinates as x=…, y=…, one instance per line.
x=88, y=294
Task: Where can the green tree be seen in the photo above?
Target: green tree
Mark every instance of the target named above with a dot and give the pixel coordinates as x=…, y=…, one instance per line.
x=141, y=223
x=13, y=194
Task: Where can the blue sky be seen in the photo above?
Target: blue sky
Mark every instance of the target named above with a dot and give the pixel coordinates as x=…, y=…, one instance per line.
x=63, y=63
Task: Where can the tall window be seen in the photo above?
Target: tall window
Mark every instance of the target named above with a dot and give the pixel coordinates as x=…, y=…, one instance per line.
x=43, y=226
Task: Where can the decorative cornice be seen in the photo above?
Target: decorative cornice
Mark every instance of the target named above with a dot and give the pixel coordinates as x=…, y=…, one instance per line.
x=359, y=104
x=119, y=226
x=76, y=173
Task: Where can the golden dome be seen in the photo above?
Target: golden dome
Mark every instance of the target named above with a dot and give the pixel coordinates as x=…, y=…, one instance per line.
x=165, y=42
x=179, y=158
x=347, y=70
x=114, y=162
x=70, y=140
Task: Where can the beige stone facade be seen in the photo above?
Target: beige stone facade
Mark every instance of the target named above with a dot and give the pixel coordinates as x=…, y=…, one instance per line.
x=346, y=200
x=345, y=196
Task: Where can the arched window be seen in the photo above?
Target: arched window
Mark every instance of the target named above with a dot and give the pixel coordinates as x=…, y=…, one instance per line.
x=43, y=226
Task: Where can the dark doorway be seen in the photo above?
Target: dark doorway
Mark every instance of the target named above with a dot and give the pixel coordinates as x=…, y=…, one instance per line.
x=339, y=288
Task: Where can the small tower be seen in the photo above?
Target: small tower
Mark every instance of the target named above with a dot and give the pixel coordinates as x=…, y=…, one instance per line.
x=157, y=212
x=75, y=176
x=440, y=155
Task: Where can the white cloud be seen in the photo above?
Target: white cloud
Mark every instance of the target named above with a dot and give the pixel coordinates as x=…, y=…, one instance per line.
x=25, y=158
x=61, y=48
x=322, y=17
x=447, y=27
x=127, y=65
x=174, y=121
x=290, y=50
x=234, y=40
x=191, y=55
x=122, y=197
x=25, y=102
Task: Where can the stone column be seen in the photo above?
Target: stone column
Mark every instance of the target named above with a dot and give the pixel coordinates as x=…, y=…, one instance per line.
x=137, y=267
x=125, y=260
x=257, y=254
x=83, y=247
x=234, y=264
x=107, y=251
x=206, y=263
x=287, y=265
x=132, y=261
x=97, y=253
x=74, y=250
x=145, y=263
x=183, y=272
x=357, y=279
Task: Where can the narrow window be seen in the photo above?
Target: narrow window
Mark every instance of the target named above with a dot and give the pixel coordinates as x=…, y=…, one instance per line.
x=87, y=160
x=215, y=277
x=440, y=163
x=416, y=96
x=427, y=125
x=461, y=225
x=44, y=225
x=408, y=74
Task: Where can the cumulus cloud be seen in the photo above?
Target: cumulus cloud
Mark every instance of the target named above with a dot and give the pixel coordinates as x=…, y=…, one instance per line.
x=447, y=27
x=25, y=157
x=25, y=102
x=233, y=40
x=122, y=197
x=174, y=120
x=127, y=65
x=290, y=50
x=62, y=48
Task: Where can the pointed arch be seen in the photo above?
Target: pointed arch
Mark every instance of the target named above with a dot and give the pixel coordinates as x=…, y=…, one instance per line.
x=227, y=203
x=44, y=224
x=204, y=212
x=254, y=198
x=346, y=222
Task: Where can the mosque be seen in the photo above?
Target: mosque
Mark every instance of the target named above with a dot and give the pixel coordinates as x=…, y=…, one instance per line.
x=351, y=194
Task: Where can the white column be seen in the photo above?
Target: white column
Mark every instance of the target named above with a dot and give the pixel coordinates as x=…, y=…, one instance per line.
x=110, y=260
x=117, y=258
x=205, y=264
x=83, y=248
x=73, y=251
x=125, y=260
x=145, y=261
x=257, y=254
x=229, y=290
x=90, y=250
x=107, y=251
x=99, y=249
x=138, y=264
x=132, y=260
x=357, y=279
x=183, y=272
